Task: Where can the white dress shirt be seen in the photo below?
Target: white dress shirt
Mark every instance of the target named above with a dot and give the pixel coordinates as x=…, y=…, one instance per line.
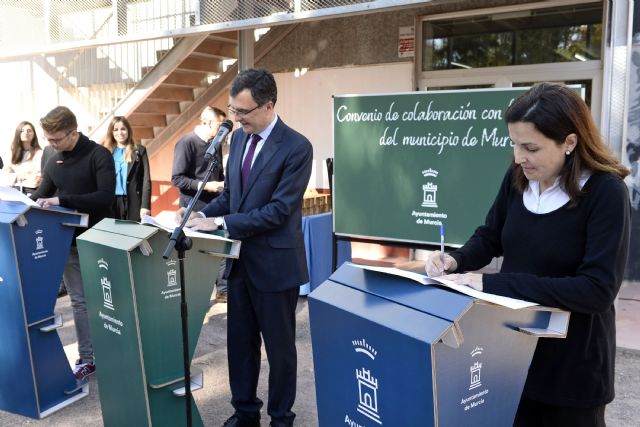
x=552, y=198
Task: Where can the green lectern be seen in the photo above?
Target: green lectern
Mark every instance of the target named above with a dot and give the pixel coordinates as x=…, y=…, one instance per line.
x=133, y=299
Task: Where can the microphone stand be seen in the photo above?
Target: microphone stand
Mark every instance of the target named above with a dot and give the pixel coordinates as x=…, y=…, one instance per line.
x=182, y=243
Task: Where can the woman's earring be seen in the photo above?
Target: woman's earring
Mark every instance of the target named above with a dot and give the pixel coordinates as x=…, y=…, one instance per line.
x=567, y=152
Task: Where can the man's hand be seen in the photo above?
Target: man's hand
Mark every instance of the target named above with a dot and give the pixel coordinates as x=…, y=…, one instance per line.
x=180, y=214
x=214, y=186
x=202, y=224
x=144, y=211
x=51, y=201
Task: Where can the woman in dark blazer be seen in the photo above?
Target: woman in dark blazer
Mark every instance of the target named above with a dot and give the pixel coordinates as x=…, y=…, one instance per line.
x=133, y=180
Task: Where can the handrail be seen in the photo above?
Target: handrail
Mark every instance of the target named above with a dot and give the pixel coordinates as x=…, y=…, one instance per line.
x=130, y=101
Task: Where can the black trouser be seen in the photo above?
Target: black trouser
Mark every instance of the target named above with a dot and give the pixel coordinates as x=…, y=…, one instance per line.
x=252, y=314
x=535, y=414
x=121, y=207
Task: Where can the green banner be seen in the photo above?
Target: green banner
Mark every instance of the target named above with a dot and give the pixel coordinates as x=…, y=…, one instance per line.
x=405, y=163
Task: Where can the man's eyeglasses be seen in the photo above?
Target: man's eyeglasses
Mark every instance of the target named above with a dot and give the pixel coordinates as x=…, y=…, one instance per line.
x=57, y=140
x=240, y=111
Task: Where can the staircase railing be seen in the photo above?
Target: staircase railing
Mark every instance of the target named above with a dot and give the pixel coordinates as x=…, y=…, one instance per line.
x=95, y=79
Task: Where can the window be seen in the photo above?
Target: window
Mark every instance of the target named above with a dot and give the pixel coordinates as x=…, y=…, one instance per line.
x=526, y=37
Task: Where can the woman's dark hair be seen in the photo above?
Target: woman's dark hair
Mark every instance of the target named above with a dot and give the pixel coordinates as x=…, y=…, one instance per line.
x=557, y=111
x=17, y=149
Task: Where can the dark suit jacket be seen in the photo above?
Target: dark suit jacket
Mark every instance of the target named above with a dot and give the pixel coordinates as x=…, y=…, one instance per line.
x=267, y=215
x=138, y=183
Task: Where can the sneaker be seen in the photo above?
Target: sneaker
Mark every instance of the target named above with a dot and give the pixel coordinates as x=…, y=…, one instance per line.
x=221, y=296
x=83, y=369
x=62, y=291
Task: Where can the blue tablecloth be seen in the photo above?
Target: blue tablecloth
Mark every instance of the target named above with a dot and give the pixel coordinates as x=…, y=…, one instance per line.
x=317, y=231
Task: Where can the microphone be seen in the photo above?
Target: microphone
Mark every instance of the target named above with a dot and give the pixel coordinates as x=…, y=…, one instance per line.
x=224, y=129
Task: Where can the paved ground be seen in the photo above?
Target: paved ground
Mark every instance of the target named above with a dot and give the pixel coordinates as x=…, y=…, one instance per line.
x=214, y=397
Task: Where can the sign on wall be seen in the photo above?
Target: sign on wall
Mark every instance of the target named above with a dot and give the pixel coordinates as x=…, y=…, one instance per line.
x=406, y=42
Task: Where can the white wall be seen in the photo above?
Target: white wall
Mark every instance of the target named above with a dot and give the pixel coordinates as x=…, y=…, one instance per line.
x=27, y=94
x=305, y=102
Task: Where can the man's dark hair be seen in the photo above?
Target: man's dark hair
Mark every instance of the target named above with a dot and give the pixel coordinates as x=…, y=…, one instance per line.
x=219, y=112
x=59, y=119
x=259, y=81
x=633, y=151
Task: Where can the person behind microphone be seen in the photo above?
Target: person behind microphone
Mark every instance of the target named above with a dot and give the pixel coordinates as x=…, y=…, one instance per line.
x=189, y=165
x=261, y=205
x=190, y=169
x=133, y=180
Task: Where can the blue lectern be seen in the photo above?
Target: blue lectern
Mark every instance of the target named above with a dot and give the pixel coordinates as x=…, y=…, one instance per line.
x=35, y=377
x=317, y=231
x=390, y=352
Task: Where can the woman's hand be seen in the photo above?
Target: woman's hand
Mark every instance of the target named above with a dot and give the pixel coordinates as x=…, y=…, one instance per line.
x=472, y=280
x=439, y=264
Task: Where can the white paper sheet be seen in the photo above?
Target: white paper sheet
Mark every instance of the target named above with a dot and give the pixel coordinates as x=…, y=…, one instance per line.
x=15, y=195
x=426, y=280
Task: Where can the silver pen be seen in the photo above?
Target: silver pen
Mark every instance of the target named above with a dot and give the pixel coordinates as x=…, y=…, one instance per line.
x=442, y=245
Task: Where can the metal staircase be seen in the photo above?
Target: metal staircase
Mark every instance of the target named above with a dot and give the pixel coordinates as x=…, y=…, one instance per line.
x=183, y=84
x=185, y=80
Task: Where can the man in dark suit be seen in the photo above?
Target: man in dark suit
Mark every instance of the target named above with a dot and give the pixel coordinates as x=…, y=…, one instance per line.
x=267, y=173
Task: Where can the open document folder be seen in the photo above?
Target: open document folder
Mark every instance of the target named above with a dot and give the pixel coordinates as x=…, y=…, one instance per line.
x=426, y=280
x=169, y=225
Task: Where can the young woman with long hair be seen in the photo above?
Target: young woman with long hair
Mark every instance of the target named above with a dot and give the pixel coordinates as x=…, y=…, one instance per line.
x=133, y=180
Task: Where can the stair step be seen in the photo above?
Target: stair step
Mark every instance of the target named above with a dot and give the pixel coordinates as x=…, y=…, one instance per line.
x=148, y=119
x=172, y=93
x=143, y=132
x=158, y=129
x=165, y=107
x=184, y=105
x=210, y=56
x=171, y=117
x=145, y=70
x=198, y=91
x=218, y=48
x=227, y=36
x=201, y=64
x=185, y=78
x=161, y=53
